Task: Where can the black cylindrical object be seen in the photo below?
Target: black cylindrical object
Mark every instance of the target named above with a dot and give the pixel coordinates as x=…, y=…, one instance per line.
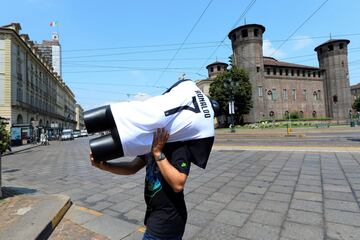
x=107, y=147
x=99, y=119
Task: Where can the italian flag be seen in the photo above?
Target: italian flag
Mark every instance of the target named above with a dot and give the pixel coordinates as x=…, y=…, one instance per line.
x=54, y=24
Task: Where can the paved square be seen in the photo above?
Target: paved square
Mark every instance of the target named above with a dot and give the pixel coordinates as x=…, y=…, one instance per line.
x=240, y=195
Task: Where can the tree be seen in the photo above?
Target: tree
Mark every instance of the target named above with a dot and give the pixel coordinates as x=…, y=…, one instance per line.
x=356, y=104
x=233, y=84
x=4, y=136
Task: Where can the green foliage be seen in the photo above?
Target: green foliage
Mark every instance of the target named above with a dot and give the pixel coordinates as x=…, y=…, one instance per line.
x=294, y=115
x=222, y=89
x=4, y=137
x=356, y=104
x=283, y=124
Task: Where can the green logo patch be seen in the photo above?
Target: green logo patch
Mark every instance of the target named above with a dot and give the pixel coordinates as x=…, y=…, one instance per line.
x=183, y=165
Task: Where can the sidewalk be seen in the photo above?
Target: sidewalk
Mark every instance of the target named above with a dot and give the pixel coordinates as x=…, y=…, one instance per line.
x=54, y=216
x=16, y=149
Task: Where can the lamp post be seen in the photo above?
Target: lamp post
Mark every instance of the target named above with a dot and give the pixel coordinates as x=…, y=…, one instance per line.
x=228, y=83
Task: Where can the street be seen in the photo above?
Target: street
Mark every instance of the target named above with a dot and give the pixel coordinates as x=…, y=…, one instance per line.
x=240, y=195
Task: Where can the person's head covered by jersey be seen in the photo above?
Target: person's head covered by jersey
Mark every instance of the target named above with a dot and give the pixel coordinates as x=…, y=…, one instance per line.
x=167, y=133
x=183, y=110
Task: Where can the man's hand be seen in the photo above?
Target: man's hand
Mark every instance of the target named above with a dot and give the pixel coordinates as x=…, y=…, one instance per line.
x=160, y=138
x=100, y=165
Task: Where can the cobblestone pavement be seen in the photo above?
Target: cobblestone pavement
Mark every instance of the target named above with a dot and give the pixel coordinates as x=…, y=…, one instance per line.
x=241, y=194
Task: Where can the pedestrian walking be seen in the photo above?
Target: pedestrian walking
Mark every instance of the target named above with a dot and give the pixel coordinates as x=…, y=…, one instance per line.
x=167, y=169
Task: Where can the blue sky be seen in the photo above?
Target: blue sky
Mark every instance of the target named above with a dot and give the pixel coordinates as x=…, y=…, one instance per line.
x=124, y=50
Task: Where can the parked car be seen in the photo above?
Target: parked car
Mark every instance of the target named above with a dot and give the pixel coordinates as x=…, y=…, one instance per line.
x=83, y=133
x=76, y=134
x=67, y=134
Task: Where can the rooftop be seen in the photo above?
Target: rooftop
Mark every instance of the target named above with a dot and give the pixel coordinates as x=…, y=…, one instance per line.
x=269, y=61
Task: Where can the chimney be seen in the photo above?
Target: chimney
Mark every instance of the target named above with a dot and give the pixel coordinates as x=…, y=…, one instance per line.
x=14, y=26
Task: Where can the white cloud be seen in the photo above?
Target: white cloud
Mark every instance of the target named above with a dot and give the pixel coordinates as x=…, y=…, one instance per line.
x=269, y=51
x=302, y=42
x=141, y=97
x=136, y=73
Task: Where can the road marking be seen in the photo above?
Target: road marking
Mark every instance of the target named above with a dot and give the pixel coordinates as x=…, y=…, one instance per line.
x=289, y=148
x=93, y=212
x=141, y=229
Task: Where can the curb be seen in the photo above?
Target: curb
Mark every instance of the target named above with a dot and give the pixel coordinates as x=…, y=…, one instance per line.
x=50, y=227
x=20, y=150
x=33, y=216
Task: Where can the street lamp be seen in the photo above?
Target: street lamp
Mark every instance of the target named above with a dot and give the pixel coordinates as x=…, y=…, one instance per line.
x=228, y=83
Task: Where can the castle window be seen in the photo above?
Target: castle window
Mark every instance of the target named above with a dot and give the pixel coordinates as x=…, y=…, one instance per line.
x=285, y=94
x=314, y=114
x=319, y=74
x=260, y=91
x=335, y=98
x=305, y=94
x=342, y=63
x=286, y=72
x=330, y=47
x=244, y=33
x=292, y=72
x=257, y=69
x=309, y=74
x=281, y=71
x=271, y=114
x=274, y=95
x=218, y=68
x=256, y=32
x=298, y=72
x=286, y=114
x=303, y=73
x=315, y=95
x=314, y=74
x=341, y=45
x=268, y=71
x=293, y=94
x=211, y=69
x=274, y=71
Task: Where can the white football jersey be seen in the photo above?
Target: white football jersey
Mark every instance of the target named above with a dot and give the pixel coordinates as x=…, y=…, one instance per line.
x=184, y=111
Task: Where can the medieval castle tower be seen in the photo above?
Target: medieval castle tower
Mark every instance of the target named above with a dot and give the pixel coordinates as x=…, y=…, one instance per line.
x=279, y=88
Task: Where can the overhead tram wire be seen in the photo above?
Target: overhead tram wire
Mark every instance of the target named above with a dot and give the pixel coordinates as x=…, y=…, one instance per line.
x=201, y=43
x=137, y=46
x=302, y=24
x=134, y=52
x=187, y=36
x=249, y=6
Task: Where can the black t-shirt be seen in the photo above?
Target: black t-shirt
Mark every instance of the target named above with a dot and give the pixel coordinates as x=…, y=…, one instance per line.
x=166, y=210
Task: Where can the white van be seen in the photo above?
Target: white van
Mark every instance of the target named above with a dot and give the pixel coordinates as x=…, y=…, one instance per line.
x=67, y=134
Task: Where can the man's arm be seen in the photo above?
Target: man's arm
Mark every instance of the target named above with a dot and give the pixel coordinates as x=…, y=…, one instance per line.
x=121, y=168
x=172, y=176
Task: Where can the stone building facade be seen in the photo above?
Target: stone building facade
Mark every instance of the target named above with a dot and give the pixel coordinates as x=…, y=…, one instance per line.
x=279, y=88
x=51, y=51
x=30, y=91
x=79, y=115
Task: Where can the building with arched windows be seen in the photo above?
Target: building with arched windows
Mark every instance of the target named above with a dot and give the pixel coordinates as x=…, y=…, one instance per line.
x=31, y=92
x=279, y=88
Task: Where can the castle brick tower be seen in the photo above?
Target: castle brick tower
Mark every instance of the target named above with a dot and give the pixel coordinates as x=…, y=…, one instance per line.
x=247, y=43
x=216, y=68
x=332, y=56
